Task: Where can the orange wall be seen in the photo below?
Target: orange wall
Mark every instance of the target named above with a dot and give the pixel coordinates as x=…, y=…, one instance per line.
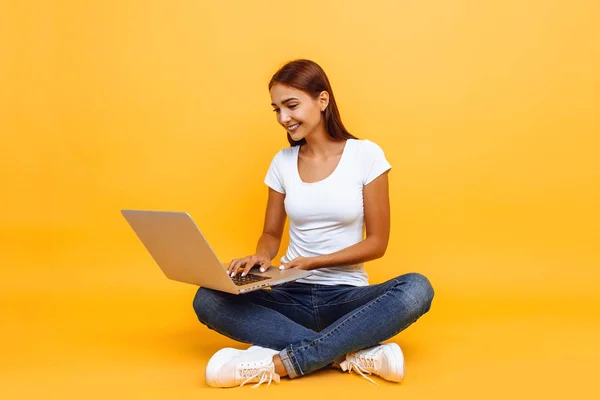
x=489, y=113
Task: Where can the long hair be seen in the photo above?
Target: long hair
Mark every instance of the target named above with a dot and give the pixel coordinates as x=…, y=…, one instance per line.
x=309, y=77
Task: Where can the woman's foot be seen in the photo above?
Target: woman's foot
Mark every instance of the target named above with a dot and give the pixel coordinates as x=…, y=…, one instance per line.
x=385, y=360
x=231, y=367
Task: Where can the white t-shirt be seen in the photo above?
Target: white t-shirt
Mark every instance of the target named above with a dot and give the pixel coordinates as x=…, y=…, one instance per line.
x=328, y=215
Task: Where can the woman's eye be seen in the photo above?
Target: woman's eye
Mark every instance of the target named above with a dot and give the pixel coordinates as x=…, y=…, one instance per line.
x=276, y=110
x=292, y=106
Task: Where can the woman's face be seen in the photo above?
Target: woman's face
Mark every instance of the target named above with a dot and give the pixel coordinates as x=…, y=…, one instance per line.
x=297, y=111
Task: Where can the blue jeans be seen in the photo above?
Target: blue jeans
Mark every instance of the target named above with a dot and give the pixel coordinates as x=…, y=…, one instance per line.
x=313, y=325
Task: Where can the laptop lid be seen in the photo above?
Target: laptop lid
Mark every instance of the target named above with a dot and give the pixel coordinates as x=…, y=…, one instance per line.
x=178, y=247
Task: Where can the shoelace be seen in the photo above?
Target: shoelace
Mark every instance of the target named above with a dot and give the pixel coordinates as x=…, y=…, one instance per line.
x=354, y=366
x=264, y=373
x=361, y=364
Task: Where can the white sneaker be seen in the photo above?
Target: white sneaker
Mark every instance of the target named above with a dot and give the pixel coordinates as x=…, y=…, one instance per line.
x=385, y=360
x=231, y=367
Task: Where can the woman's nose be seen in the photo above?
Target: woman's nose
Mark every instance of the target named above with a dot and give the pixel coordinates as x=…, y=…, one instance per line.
x=284, y=117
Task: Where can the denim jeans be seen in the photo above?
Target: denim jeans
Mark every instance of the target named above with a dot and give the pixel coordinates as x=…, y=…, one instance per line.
x=313, y=325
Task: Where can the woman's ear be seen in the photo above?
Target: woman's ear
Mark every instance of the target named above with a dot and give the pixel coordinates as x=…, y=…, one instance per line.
x=323, y=100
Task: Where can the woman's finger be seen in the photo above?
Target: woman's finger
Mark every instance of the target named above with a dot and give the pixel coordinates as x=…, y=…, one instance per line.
x=239, y=264
x=250, y=264
x=265, y=265
x=231, y=265
x=234, y=265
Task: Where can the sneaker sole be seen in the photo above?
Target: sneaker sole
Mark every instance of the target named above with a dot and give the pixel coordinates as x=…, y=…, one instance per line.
x=394, y=353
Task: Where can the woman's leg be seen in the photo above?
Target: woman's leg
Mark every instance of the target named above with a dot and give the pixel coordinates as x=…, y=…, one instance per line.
x=374, y=313
x=267, y=318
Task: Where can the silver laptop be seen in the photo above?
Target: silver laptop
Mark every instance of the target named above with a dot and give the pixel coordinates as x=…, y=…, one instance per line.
x=178, y=247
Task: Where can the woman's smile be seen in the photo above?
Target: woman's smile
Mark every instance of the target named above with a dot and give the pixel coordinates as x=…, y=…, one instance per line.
x=293, y=128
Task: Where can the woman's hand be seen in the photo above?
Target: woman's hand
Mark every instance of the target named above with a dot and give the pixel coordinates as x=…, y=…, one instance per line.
x=247, y=263
x=306, y=263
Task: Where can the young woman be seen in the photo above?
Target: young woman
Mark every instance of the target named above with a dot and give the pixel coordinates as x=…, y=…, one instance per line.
x=331, y=185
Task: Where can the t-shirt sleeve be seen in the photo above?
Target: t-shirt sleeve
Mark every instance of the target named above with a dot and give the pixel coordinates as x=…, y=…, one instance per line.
x=274, y=178
x=374, y=161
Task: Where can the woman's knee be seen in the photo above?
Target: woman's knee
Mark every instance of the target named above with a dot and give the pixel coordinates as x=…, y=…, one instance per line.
x=421, y=290
x=205, y=304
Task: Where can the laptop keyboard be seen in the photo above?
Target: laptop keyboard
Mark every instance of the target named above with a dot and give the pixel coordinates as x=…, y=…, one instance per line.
x=240, y=280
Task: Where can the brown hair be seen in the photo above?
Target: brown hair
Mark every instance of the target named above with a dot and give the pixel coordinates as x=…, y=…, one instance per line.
x=309, y=77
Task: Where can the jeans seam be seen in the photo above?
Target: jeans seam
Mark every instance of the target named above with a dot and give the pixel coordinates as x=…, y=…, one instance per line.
x=295, y=364
x=316, y=311
x=317, y=318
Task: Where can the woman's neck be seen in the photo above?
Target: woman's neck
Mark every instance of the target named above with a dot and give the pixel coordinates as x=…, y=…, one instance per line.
x=321, y=145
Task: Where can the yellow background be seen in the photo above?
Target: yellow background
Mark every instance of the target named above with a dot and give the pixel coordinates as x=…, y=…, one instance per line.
x=489, y=113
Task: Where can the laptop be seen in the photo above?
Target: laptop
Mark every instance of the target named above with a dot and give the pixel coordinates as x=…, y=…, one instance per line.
x=182, y=253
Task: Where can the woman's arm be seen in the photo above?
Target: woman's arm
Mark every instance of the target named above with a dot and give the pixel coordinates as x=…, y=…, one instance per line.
x=377, y=220
x=270, y=240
